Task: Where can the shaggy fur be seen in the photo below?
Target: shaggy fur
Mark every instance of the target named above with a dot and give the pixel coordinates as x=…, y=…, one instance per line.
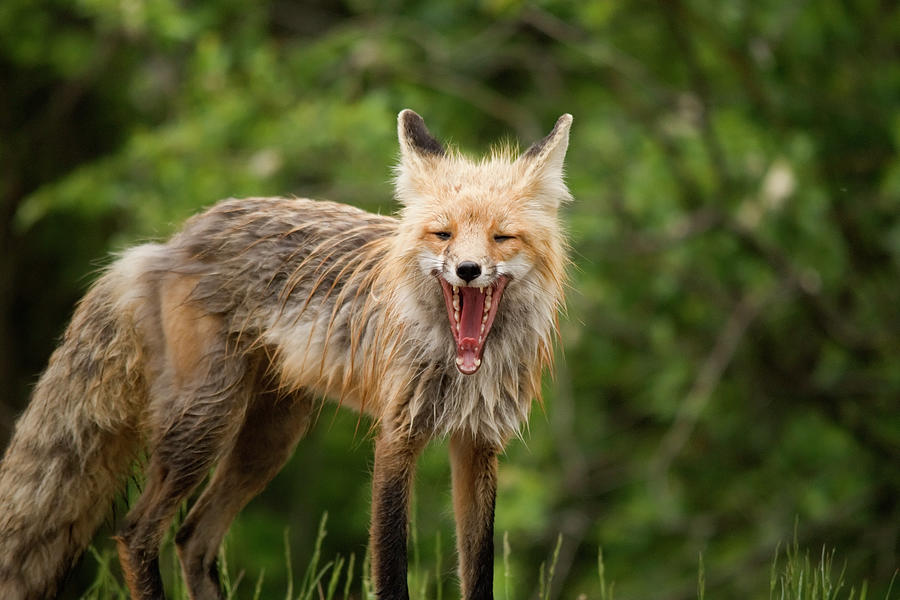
x=209, y=350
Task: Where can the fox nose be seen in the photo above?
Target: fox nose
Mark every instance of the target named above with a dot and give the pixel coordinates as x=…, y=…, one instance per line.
x=468, y=270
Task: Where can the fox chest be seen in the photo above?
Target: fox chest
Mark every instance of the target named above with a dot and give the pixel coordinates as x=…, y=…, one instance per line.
x=490, y=405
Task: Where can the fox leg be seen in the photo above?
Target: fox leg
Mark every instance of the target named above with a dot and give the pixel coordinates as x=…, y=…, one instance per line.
x=180, y=460
x=395, y=458
x=474, y=467
x=194, y=431
x=267, y=438
x=199, y=392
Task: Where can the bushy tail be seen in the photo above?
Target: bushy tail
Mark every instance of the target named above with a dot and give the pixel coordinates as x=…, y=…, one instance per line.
x=73, y=447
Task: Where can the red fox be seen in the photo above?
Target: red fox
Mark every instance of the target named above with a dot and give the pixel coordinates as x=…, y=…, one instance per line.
x=213, y=348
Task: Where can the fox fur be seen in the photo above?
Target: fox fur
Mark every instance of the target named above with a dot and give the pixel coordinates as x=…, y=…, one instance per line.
x=211, y=350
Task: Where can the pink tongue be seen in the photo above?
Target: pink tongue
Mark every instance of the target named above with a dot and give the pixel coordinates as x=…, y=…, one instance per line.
x=468, y=357
x=472, y=300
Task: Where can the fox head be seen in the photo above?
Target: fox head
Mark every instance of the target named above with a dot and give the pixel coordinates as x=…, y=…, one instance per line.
x=480, y=242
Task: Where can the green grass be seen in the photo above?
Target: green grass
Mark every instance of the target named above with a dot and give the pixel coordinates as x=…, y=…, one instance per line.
x=795, y=575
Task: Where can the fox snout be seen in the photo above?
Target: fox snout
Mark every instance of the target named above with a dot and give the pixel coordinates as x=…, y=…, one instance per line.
x=468, y=270
x=472, y=293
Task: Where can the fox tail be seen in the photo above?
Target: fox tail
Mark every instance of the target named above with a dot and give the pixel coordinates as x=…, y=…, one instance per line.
x=74, y=446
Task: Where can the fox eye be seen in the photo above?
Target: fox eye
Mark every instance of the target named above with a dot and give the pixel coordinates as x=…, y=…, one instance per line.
x=442, y=235
x=503, y=238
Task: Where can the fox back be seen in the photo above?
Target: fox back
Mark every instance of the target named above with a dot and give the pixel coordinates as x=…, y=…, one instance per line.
x=211, y=349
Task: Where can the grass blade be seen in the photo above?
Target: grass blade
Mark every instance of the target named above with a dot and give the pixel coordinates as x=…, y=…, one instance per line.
x=307, y=584
x=506, y=573
x=349, y=579
x=290, y=569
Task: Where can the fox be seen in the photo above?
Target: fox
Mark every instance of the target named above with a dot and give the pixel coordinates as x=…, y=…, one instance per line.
x=204, y=358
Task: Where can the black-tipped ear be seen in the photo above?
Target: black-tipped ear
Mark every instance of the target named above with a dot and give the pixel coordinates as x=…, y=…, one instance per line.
x=415, y=137
x=543, y=165
x=553, y=147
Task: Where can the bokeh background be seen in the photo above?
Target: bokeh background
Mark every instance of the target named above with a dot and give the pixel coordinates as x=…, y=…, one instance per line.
x=730, y=359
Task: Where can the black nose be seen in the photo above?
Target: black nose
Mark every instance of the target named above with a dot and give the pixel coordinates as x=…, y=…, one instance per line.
x=468, y=270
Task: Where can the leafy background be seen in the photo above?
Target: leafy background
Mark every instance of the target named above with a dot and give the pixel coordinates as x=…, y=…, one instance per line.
x=731, y=350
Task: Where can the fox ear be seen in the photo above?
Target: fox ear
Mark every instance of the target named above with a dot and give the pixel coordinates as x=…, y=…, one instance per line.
x=419, y=156
x=543, y=162
x=550, y=151
x=416, y=142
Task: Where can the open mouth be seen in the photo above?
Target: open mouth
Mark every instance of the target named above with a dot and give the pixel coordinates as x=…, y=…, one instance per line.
x=471, y=311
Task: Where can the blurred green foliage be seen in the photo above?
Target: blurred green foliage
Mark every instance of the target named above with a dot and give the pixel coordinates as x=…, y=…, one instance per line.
x=732, y=343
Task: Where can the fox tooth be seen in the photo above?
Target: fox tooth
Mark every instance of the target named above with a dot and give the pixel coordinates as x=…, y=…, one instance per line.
x=482, y=328
x=459, y=360
x=455, y=289
x=487, y=304
x=477, y=362
x=456, y=315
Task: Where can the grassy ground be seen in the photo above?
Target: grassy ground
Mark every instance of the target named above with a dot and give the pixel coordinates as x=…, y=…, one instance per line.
x=795, y=575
